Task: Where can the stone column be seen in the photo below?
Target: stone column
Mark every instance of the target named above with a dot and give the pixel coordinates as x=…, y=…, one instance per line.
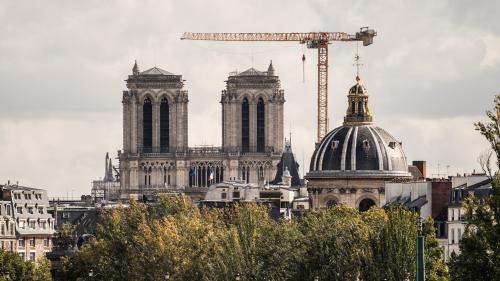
x=133, y=125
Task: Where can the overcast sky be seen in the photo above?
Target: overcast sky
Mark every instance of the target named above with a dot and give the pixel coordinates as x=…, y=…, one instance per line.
x=432, y=71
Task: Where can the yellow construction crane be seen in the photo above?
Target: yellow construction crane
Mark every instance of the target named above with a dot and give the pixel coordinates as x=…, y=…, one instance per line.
x=314, y=40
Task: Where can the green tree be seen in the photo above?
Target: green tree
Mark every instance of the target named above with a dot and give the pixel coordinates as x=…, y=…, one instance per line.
x=479, y=257
x=12, y=267
x=391, y=245
x=333, y=241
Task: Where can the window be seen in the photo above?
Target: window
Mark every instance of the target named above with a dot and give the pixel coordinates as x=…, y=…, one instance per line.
x=459, y=234
x=40, y=210
x=32, y=256
x=452, y=236
x=223, y=195
x=260, y=126
x=30, y=210
x=8, y=209
x=65, y=215
x=32, y=224
x=19, y=210
x=20, y=243
x=17, y=196
x=32, y=242
x=21, y=254
x=2, y=244
x=3, y=230
x=21, y=224
x=245, y=126
x=164, y=123
x=12, y=228
x=236, y=194
x=147, y=125
x=46, y=242
x=43, y=225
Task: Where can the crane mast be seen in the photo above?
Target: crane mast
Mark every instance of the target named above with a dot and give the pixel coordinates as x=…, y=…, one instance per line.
x=313, y=40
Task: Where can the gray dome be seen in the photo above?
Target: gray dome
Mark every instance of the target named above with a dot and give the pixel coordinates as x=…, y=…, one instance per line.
x=359, y=150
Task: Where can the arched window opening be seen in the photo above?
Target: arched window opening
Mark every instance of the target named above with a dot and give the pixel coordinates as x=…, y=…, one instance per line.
x=360, y=108
x=353, y=107
x=331, y=203
x=261, y=126
x=261, y=173
x=245, y=126
x=147, y=125
x=366, y=204
x=164, y=125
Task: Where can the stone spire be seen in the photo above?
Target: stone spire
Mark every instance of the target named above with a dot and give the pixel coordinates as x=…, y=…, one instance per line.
x=135, y=69
x=108, y=169
x=358, y=112
x=270, y=69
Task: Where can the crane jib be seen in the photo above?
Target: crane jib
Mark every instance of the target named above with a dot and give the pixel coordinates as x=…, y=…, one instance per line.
x=294, y=36
x=316, y=40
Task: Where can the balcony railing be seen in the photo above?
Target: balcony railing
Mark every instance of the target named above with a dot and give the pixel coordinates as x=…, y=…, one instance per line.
x=206, y=150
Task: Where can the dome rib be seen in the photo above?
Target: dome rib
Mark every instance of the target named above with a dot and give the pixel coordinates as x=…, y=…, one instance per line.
x=389, y=162
x=379, y=152
x=353, y=149
x=344, y=149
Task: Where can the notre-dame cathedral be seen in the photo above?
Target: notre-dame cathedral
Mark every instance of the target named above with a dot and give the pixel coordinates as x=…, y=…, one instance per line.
x=156, y=156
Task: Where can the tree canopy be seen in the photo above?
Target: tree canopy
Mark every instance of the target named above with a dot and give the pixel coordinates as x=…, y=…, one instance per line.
x=145, y=242
x=479, y=257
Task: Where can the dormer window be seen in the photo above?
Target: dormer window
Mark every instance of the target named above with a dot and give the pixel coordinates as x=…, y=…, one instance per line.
x=366, y=144
x=335, y=144
x=392, y=144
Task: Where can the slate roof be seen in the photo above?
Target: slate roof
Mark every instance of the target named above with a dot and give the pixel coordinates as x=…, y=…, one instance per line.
x=252, y=72
x=288, y=161
x=155, y=71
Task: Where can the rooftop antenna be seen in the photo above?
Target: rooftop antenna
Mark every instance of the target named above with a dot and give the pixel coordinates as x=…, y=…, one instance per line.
x=356, y=60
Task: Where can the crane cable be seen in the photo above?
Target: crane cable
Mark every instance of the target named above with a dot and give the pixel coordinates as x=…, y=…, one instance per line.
x=303, y=64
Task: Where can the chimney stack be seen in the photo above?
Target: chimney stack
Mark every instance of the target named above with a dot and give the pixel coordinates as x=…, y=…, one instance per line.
x=421, y=166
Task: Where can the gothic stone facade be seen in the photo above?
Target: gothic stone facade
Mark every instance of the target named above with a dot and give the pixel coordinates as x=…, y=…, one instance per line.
x=156, y=157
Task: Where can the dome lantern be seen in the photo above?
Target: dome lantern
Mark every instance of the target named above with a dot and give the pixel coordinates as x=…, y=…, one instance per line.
x=358, y=112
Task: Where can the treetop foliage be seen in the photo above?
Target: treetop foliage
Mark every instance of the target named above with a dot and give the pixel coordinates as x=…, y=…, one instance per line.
x=145, y=242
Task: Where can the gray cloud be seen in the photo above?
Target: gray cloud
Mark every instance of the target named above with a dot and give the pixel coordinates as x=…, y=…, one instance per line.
x=432, y=71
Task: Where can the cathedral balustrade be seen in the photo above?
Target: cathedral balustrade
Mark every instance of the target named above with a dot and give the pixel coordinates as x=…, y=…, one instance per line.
x=205, y=151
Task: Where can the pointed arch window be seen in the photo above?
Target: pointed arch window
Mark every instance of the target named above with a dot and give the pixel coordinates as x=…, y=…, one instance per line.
x=261, y=131
x=164, y=125
x=245, y=126
x=147, y=125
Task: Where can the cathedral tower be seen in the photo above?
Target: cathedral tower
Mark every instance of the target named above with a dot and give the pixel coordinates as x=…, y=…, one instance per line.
x=252, y=112
x=155, y=120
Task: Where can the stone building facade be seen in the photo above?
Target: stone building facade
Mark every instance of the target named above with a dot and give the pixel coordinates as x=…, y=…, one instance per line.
x=33, y=224
x=156, y=157
x=352, y=162
x=7, y=227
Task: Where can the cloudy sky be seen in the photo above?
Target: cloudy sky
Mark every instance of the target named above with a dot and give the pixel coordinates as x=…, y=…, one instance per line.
x=432, y=71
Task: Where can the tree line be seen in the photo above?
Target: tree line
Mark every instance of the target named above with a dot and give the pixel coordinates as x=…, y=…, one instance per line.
x=178, y=239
